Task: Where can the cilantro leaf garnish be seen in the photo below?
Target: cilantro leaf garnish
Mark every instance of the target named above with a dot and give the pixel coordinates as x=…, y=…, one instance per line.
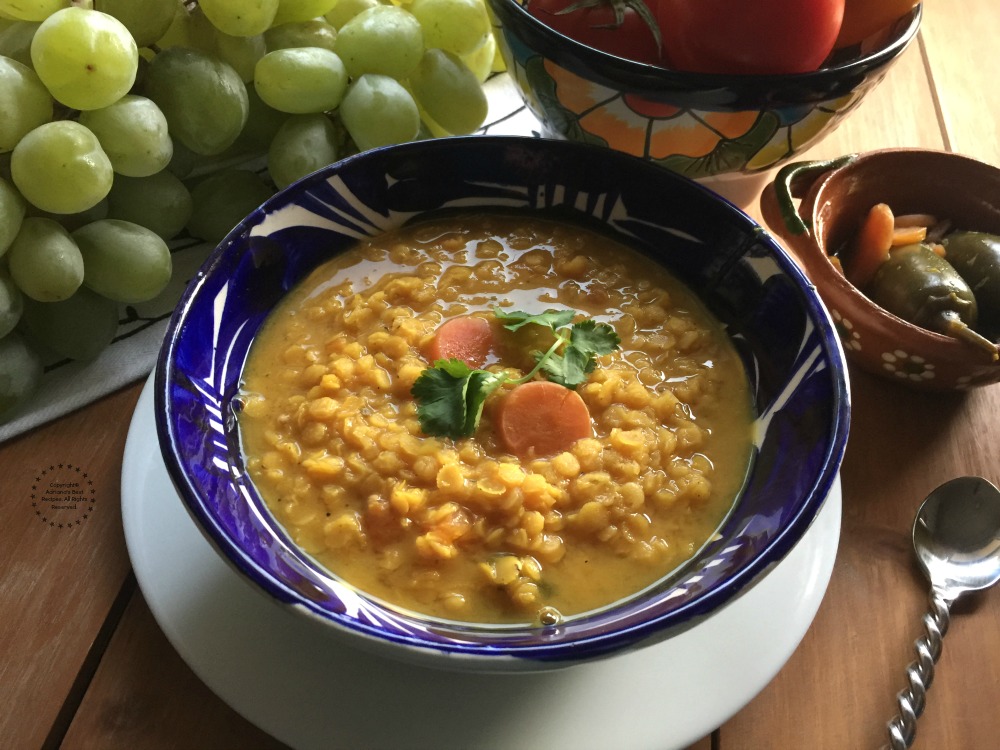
x=593, y=338
x=550, y=318
x=450, y=395
x=569, y=369
x=587, y=340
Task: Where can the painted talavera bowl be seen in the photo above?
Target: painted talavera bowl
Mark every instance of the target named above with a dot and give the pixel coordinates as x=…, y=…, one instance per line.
x=779, y=326
x=700, y=125
x=835, y=196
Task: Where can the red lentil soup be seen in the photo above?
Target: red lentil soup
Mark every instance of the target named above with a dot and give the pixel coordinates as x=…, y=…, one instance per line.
x=464, y=529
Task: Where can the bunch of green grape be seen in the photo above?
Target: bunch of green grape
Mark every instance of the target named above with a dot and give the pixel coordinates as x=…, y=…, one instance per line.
x=126, y=124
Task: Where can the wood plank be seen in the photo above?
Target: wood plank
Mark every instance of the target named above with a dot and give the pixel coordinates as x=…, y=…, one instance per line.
x=861, y=642
x=898, y=112
x=961, y=48
x=902, y=445
x=856, y=651
x=60, y=577
x=144, y=696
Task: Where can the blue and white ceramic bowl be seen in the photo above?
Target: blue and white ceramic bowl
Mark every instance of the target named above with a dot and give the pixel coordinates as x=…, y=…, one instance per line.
x=790, y=349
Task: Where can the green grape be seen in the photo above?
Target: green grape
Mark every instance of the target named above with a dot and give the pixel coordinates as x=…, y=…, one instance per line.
x=12, y=210
x=384, y=39
x=15, y=41
x=85, y=58
x=191, y=29
x=31, y=10
x=203, y=98
x=20, y=374
x=133, y=133
x=160, y=202
x=145, y=55
x=24, y=101
x=345, y=10
x=44, y=261
x=480, y=62
x=11, y=303
x=80, y=327
x=304, y=144
x=449, y=92
x=240, y=52
x=263, y=123
x=146, y=20
x=240, y=17
x=61, y=167
x=123, y=261
x=69, y=222
x=301, y=80
x=458, y=26
x=314, y=33
x=223, y=200
x=378, y=111
x=293, y=11
x=184, y=160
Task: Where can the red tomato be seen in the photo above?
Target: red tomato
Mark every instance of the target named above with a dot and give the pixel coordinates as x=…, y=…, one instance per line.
x=594, y=23
x=862, y=18
x=748, y=36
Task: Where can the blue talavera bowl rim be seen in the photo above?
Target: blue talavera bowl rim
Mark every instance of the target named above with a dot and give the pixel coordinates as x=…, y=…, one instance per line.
x=640, y=77
x=486, y=655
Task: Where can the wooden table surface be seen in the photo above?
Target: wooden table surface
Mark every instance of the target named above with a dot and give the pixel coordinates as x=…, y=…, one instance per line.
x=83, y=664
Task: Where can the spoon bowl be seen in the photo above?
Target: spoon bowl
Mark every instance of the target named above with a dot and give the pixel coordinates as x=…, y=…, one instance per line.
x=956, y=537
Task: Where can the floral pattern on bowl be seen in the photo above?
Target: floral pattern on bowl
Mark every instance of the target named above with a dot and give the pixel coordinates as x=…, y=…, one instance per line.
x=695, y=124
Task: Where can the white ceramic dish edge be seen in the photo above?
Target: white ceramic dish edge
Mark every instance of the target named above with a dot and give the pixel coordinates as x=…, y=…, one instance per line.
x=287, y=676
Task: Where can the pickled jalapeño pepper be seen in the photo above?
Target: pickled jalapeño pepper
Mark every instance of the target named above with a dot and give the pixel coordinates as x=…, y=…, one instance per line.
x=916, y=284
x=976, y=257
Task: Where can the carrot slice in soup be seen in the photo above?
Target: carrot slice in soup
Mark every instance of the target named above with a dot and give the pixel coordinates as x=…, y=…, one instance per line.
x=469, y=339
x=540, y=418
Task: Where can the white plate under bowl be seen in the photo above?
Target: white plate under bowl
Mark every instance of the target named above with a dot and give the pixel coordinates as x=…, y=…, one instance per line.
x=291, y=678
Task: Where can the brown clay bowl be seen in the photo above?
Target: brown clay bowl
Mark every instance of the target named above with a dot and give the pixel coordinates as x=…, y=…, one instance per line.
x=835, y=196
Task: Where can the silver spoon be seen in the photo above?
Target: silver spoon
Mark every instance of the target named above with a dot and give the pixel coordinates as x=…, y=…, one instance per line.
x=956, y=536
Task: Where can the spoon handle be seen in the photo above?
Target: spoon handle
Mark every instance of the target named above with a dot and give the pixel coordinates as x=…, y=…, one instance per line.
x=920, y=673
